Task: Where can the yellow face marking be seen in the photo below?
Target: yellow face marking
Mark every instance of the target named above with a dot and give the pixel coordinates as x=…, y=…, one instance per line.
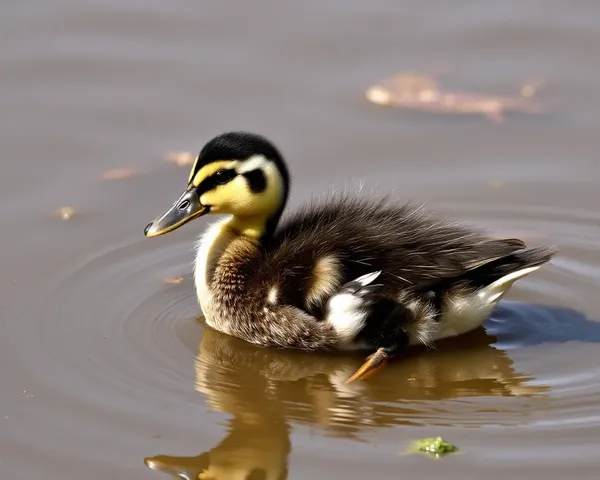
x=211, y=168
x=250, y=210
x=193, y=168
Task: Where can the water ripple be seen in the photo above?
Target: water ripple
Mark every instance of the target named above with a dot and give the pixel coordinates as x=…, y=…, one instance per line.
x=133, y=351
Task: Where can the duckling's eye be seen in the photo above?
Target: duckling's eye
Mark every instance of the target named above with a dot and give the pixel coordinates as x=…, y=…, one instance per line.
x=224, y=176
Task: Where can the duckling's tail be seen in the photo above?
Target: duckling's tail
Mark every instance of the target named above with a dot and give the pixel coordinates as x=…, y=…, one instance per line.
x=533, y=257
x=498, y=276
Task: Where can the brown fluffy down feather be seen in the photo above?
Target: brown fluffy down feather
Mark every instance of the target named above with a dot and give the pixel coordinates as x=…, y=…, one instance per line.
x=416, y=250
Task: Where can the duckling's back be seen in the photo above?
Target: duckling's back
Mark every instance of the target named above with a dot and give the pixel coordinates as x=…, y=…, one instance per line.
x=324, y=246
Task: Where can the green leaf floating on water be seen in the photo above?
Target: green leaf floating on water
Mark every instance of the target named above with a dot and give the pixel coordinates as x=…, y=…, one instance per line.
x=435, y=446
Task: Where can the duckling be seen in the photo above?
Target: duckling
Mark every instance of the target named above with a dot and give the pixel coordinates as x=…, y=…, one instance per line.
x=346, y=274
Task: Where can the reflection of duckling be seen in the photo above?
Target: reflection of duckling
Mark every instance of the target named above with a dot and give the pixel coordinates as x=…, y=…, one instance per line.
x=267, y=390
x=252, y=450
x=240, y=378
x=258, y=442
x=344, y=275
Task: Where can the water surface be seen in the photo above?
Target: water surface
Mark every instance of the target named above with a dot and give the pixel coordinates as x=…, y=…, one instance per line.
x=103, y=364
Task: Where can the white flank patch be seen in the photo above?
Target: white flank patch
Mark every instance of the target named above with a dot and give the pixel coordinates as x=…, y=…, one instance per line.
x=465, y=313
x=346, y=316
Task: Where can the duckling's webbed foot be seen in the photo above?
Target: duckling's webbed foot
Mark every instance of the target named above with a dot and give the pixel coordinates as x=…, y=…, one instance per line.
x=359, y=312
x=376, y=361
x=372, y=364
x=384, y=330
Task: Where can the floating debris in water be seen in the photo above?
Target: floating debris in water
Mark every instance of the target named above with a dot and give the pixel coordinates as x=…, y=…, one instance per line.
x=435, y=446
x=66, y=213
x=420, y=92
x=529, y=89
x=181, y=159
x=27, y=394
x=497, y=184
x=174, y=280
x=118, y=174
x=403, y=87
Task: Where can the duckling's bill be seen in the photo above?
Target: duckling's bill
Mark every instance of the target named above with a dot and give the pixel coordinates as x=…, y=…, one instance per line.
x=186, y=208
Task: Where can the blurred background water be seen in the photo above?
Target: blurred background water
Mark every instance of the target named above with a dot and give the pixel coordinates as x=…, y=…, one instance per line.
x=104, y=364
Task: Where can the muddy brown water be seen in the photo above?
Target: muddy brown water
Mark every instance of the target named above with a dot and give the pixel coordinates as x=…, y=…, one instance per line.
x=104, y=365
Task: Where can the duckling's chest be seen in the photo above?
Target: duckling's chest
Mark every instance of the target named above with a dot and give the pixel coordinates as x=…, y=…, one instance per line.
x=223, y=262
x=209, y=248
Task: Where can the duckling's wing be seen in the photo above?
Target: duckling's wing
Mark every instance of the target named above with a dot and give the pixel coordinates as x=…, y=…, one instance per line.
x=510, y=267
x=413, y=248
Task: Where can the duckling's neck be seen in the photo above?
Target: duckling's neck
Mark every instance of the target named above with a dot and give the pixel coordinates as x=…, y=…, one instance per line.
x=259, y=227
x=251, y=227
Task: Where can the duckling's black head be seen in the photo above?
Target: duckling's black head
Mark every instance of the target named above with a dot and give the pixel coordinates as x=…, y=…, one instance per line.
x=237, y=173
